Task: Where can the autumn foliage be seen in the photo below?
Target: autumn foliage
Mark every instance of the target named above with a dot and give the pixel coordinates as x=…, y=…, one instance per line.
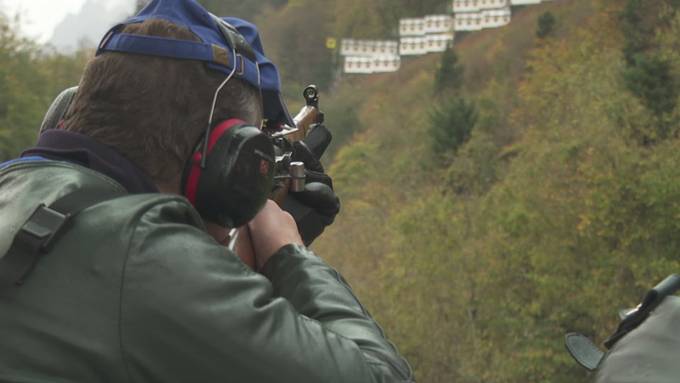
x=550, y=218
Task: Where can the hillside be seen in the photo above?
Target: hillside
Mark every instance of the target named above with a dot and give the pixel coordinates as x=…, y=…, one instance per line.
x=552, y=216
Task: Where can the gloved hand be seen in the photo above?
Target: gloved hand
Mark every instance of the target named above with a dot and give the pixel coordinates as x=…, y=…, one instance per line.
x=316, y=207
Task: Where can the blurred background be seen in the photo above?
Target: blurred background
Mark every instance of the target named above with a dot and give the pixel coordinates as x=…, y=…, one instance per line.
x=66, y=25
x=517, y=185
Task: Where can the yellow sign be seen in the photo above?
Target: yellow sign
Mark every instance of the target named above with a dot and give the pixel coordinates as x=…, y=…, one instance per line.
x=331, y=43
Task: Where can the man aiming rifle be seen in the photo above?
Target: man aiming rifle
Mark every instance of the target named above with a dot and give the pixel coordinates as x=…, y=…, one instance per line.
x=108, y=270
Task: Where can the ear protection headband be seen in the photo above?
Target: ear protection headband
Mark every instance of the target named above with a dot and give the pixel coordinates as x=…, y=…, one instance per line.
x=230, y=175
x=234, y=38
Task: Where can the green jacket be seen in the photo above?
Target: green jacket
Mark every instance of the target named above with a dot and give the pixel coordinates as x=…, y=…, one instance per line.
x=136, y=291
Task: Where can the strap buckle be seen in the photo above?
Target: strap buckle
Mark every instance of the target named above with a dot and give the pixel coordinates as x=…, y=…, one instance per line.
x=33, y=239
x=41, y=228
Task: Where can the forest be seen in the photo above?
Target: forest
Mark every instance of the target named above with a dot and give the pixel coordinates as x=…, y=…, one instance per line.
x=519, y=186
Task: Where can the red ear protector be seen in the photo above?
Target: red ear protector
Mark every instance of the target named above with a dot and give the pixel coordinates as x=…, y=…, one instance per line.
x=231, y=174
x=238, y=175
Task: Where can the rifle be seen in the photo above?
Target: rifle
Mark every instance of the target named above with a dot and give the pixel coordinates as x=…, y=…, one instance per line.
x=289, y=175
x=309, y=131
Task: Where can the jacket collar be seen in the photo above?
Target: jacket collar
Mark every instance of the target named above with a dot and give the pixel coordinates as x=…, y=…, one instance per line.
x=62, y=145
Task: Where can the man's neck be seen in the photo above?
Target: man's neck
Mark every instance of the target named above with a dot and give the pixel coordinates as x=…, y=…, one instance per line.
x=169, y=187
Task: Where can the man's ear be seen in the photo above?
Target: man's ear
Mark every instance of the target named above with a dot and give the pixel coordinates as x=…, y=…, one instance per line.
x=58, y=109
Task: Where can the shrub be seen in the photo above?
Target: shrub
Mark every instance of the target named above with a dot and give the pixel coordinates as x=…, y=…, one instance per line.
x=546, y=25
x=652, y=80
x=449, y=74
x=451, y=125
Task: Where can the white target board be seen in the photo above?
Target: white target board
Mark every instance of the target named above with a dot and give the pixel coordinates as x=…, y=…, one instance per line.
x=439, y=42
x=464, y=6
x=438, y=24
x=494, y=4
x=413, y=46
x=476, y=6
x=496, y=18
x=386, y=64
x=369, y=65
x=368, y=48
x=468, y=22
x=412, y=27
x=387, y=47
x=358, y=65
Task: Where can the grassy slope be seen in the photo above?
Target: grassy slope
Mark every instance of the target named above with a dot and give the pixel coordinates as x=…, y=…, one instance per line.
x=386, y=164
x=386, y=172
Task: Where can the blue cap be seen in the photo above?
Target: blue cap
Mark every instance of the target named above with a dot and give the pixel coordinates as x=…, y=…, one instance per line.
x=218, y=38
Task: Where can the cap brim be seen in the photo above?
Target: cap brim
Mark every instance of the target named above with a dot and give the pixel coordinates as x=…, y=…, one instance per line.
x=275, y=108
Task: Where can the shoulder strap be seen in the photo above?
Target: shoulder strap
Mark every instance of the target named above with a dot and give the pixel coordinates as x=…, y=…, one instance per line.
x=42, y=229
x=652, y=299
x=589, y=356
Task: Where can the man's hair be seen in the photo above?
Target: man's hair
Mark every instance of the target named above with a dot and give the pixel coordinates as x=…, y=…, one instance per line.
x=154, y=110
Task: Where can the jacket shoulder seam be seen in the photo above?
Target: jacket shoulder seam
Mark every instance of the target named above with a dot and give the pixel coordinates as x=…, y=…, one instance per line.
x=67, y=165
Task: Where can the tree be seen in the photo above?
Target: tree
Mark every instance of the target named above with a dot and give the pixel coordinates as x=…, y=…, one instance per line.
x=635, y=35
x=546, y=25
x=30, y=78
x=449, y=74
x=649, y=75
x=639, y=23
x=451, y=125
x=652, y=81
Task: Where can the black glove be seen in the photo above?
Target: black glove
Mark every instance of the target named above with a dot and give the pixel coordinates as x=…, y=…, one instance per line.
x=316, y=207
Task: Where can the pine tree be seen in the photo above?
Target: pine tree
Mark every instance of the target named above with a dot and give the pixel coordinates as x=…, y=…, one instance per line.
x=451, y=125
x=648, y=75
x=449, y=76
x=546, y=25
x=652, y=81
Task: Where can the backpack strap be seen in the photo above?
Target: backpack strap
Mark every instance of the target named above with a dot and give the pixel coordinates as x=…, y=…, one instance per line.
x=589, y=356
x=42, y=229
x=652, y=299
